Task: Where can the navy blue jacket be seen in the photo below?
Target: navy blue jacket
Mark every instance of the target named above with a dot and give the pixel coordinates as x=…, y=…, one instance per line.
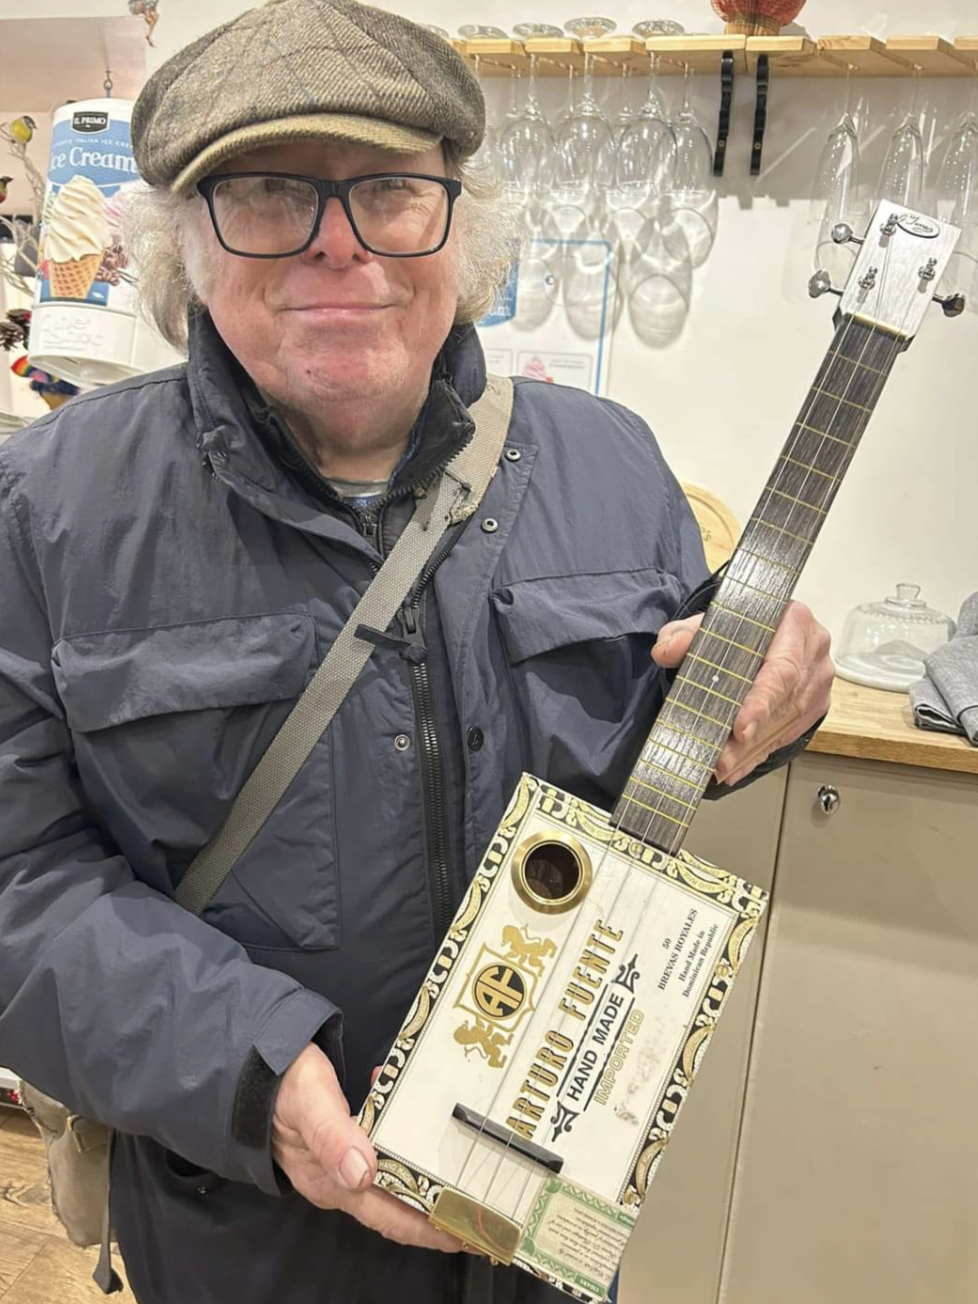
x=172, y=570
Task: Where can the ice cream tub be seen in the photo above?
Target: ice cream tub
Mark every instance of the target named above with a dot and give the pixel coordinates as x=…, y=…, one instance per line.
x=86, y=326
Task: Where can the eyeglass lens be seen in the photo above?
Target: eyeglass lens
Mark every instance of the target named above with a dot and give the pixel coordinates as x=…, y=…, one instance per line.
x=260, y=214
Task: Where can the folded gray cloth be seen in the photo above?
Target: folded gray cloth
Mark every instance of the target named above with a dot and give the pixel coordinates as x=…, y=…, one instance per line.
x=947, y=697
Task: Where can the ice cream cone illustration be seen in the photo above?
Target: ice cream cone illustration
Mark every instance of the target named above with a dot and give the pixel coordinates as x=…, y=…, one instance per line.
x=76, y=235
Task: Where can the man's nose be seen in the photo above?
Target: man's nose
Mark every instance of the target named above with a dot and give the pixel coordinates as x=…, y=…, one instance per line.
x=336, y=241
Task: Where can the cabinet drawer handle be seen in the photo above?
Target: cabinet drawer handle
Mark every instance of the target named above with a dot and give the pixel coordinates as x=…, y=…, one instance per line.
x=829, y=799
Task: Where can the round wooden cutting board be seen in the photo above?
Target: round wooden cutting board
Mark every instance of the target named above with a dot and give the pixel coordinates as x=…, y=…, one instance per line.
x=717, y=523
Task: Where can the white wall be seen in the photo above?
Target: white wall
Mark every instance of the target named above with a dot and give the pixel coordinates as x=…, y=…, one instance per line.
x=722, y=396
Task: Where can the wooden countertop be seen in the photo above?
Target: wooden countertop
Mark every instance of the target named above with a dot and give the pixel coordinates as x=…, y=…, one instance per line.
x=878, y=726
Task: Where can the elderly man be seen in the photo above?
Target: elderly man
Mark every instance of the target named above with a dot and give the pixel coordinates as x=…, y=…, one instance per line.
x=178, y=552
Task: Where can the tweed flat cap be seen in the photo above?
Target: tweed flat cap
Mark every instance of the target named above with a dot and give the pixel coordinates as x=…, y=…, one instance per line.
x=303, y=70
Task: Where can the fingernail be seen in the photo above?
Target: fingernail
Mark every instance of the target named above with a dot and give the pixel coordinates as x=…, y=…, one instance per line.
x=353, y=1168
x=749, y=732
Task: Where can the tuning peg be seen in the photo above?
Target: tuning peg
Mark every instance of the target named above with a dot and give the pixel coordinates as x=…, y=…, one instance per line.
x=842, y=233
x=952, y=305
x=820, y=284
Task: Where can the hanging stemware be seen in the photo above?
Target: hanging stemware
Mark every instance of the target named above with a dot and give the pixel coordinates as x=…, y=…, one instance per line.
x=526, y=143
x=585, y=141
x=902, y=174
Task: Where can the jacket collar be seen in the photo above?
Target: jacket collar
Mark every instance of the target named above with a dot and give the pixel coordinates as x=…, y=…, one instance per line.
x=241, y=437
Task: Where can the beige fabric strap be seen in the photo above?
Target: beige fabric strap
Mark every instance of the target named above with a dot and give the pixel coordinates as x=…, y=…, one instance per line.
x=454, y=498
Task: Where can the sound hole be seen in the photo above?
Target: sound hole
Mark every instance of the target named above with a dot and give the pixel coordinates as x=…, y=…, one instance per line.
x=552, y=871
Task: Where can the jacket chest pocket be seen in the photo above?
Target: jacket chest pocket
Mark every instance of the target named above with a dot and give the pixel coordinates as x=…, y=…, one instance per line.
x=577, y=649
x=167, y=724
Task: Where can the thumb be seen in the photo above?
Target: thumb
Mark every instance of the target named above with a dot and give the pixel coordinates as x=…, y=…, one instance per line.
x=673, y=641
x=315, y=1106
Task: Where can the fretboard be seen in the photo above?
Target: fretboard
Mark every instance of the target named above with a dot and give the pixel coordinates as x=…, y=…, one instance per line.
x=680, y=755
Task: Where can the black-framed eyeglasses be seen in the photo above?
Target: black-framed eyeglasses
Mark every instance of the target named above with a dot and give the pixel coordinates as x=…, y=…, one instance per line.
x=277, y=214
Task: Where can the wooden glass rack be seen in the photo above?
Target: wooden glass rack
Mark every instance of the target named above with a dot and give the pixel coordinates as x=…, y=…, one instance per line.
x=788, y=56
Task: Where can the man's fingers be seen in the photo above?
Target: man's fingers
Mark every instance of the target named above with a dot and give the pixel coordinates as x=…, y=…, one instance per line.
x=392, y=1218
x=673, y=641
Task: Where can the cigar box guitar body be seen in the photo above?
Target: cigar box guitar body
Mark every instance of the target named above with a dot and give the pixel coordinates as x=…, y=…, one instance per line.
x=530, y=1095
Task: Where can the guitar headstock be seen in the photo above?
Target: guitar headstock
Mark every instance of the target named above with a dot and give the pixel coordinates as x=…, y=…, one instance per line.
x=901, y=259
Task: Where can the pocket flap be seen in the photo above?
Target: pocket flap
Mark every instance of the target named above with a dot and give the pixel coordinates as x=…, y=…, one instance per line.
x=538, y=615
x=119, y=675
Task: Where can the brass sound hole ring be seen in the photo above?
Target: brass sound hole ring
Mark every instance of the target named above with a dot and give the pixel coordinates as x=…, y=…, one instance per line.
x=552, y=872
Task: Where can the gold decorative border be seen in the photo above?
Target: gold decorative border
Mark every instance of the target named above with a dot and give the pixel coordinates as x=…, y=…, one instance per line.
x=745, y=900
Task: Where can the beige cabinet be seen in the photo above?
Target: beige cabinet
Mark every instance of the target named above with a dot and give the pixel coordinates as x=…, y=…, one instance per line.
x=857, y=1171
x=828, y=1153
x=676, y=1251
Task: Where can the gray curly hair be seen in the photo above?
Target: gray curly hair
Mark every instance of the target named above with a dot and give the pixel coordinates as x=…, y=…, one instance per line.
x=166, y=237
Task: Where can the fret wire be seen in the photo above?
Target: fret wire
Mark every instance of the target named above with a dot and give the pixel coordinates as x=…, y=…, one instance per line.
x=750, y=620
x=833, y=353
x=732, y=641
x=683, y=824
x=759, y=520
x=800, y=453
x=805, y=467
x=825, y=434
x=684, y=679
x=770, y=561
x=686, y=734
x=754, y=589
x=837, y=398
x=723, y=724
x=663, y=793
x=690, y=783
x=692, y=656
x=800, y=501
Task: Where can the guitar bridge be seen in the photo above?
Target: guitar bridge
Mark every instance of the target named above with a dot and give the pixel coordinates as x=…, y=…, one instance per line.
x=477, y=1226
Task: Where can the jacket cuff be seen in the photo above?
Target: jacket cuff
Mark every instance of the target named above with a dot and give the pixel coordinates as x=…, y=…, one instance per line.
x=303, y=1018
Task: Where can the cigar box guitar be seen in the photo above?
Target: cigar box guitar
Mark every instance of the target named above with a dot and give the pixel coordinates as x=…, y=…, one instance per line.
x=534, y=1085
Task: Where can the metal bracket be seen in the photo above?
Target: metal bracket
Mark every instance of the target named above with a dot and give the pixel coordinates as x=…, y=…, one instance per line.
x=726, y=101
x=760, y=114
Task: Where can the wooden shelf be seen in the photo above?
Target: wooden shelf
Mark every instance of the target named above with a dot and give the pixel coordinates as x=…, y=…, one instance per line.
x=788, y=56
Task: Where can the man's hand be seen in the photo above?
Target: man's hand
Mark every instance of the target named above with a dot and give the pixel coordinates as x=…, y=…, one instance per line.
x=329, y=1160
x=792, y=690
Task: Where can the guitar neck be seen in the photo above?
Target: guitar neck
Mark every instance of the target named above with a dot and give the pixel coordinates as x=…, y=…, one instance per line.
x=677, y=762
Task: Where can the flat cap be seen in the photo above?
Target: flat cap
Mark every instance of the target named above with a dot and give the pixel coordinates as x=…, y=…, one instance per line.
x=303, y=70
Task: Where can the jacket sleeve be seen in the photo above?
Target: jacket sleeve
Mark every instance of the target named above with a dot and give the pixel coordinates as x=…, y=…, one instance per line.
x=113, y=999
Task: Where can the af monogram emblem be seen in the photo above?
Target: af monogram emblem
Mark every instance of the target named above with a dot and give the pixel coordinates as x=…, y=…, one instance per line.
x=498, y=993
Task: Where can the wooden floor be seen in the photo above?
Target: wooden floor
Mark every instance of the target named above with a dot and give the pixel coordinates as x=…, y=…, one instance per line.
x=38, y=1264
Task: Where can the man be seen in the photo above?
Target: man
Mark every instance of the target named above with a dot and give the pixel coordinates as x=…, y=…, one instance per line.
x=179, y=551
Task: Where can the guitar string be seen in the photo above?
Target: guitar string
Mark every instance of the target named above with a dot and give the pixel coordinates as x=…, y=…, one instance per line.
x=849, y=326
x=781, y=477
x=792, y=445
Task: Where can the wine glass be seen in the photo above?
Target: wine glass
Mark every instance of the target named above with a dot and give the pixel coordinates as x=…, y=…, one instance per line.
x=526, y=143
x=627, y=113
x=692, y=195
x=835, y=191
x=902, y=174
x=585, y=140
x=957, y=184
x=646, y=157
x=692, y=178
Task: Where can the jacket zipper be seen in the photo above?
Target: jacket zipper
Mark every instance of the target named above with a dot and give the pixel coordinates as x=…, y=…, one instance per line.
x=440, y=867
x=434, y=802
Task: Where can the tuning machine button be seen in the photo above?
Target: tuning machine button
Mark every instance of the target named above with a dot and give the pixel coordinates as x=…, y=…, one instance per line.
x=821, y=284
x=952, y=305
x=842, y=233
